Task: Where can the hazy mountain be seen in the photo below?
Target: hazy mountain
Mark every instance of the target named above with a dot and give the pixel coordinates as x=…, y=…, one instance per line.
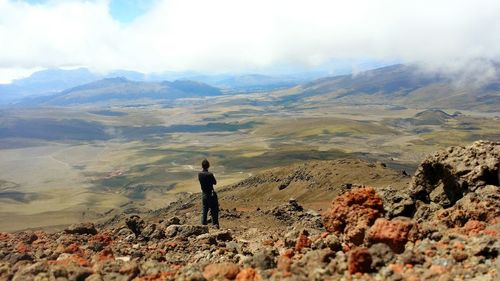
x=256, y=82
x=397, y=84
x=242, y=83
x=51, y=81
x=404, y=85
x=122, y=89
x=45, y=82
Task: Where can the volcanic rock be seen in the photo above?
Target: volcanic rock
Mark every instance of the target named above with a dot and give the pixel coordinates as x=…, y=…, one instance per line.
x=333, y=242
x=135, y=224
x=185, y=230
x=247, y=274
x=171, y=221
x=265, y=259
x=396, y=202
x=293, y=213
x=303, y=241
x=221, y=271
x=282, y=242
x=82, y=228
x=394, y=233
x=360, y=260
x=481, y=205
x=381, y=255
x=352, y=213
x=446, y=176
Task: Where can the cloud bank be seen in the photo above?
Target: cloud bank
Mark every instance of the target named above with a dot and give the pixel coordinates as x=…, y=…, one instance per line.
x=238, y=35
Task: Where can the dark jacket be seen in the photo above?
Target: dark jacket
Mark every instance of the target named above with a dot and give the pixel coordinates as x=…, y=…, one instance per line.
x=207, y=181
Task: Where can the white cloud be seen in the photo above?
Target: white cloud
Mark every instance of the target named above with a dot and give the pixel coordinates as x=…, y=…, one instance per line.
x=227, y=35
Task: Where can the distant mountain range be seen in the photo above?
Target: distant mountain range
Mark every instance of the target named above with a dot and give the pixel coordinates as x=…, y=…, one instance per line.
x=45, y=82
x=51, y=81
x=404, y=85
x=121, y=89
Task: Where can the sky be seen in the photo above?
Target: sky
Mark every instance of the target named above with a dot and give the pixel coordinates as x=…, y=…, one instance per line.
x=216, y=36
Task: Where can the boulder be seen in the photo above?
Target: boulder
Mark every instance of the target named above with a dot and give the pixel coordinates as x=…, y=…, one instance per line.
x=293, y=213
x=482, y=205
x=82, y=228
x=397, y=202
x=247, y=274
x=381, y=255
x=171, y=221
x=135, y=224
x=359, y=260
x=446, y=176
x=303, y=241
x=352, y=213
x=152, y=231
x=393, y=233
x=221, y=271
x=287, y=212
x=264, y=259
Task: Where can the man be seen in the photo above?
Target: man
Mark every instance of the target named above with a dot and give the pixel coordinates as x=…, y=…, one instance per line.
x=209, y=197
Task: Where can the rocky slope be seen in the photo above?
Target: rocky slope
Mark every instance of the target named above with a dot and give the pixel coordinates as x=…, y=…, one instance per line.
x=443, y=224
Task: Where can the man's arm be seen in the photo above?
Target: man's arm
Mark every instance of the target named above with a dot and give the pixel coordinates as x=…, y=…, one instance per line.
x=214, y=181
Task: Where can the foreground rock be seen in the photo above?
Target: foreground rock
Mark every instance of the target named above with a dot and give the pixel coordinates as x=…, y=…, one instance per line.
x=352, y=213
x=446, y=176
x=366, y=234
x=394, y=233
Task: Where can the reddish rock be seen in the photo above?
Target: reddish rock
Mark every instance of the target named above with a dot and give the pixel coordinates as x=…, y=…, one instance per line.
x=396, y=267
x=171, y=245
x=268, y=242
x=439, y=269
x=70, y=260
x=247, y=274
x=482, y=205
x=359, y=260
x=345, y=248
x=473, y=227
x=288, y=253
x=72, y=249
x=459, y=255
x=303, y=241
x=393, y=233
x=4, y=236
x=21, y=247
x=279, y=244
x=218, y=271
x=284, y=263
x=352, y=213
x=104, y=255
x=459, y=245
x=103, y=238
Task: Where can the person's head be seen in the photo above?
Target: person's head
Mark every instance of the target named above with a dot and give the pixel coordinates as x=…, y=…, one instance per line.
x=205, y=164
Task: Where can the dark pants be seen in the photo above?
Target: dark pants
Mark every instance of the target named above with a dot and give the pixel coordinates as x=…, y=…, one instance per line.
x=211, y=202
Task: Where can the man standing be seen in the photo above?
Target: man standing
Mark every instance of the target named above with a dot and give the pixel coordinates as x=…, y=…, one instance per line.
x=209, y=197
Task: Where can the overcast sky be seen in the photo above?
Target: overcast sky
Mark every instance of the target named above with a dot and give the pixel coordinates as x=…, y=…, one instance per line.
x=237, y=35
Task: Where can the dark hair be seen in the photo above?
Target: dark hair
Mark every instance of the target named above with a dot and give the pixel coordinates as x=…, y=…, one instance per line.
x=205, y=164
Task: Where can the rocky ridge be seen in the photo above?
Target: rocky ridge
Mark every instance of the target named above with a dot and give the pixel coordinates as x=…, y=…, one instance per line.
x=444, y=226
